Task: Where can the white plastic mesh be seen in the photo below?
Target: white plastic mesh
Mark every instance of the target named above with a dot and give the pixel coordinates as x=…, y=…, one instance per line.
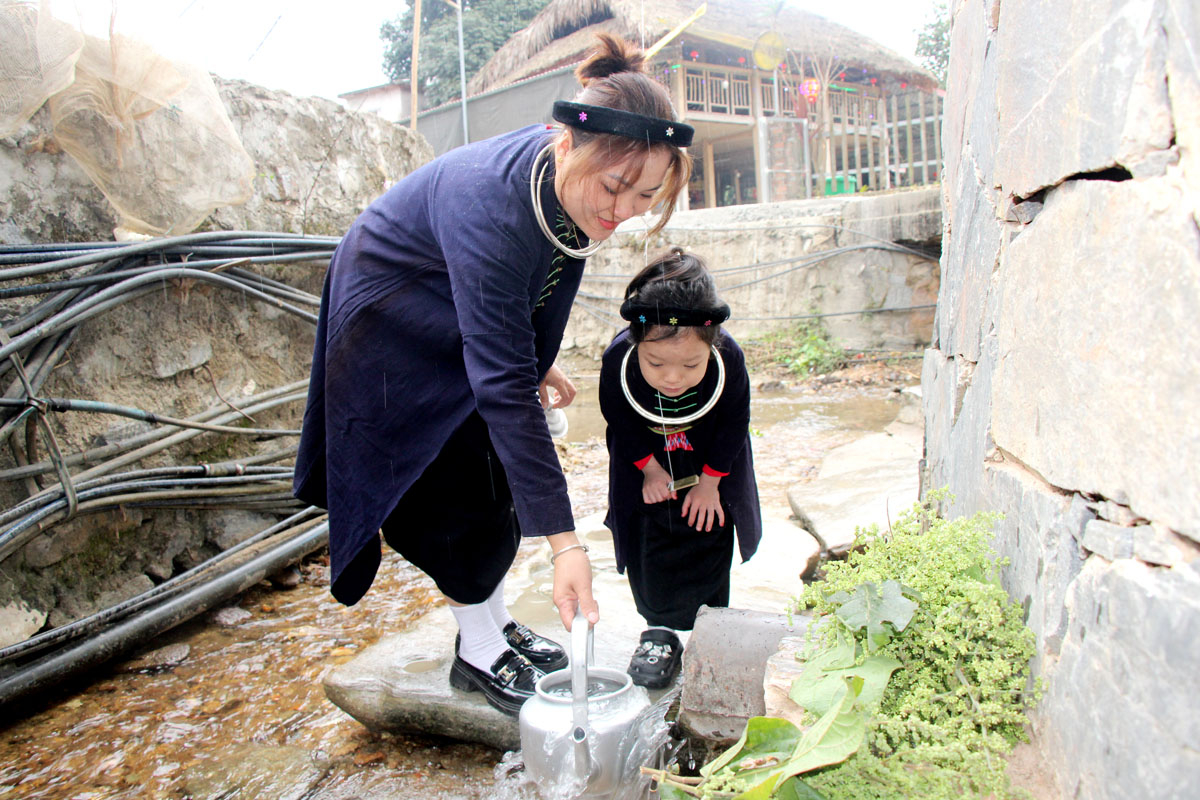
x=37, y=59
x=152, y=133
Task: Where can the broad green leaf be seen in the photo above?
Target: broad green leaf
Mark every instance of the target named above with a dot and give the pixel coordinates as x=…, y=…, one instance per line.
x=762, y=791
x=816, y=691
x=834, y=738
x=795, y=789
x=812, y=691
x=764, y=737
x=870, y=608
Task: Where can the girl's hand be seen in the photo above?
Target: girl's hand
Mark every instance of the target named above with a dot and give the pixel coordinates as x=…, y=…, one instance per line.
x=572, y=580
x=656, y=483
x=563, y=389
x=702, y=506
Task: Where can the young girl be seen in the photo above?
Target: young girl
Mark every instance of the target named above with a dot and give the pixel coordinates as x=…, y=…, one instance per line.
x=676, y=397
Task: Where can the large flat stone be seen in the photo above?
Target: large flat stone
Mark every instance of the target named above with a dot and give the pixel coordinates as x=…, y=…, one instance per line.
x=867, y=482
x=1095, y=388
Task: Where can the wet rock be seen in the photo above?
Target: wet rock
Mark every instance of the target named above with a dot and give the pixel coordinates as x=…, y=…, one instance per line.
x=287, y=578
x=402, y=684
x=256, y=770
x=157, y=660
x=229, y=616
x=723, y=670
x=18, y=622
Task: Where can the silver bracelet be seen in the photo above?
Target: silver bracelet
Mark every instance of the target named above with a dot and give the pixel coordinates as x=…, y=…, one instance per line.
x=582, y=547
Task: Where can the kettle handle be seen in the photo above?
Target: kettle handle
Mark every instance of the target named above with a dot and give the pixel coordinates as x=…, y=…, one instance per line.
x=582, y=655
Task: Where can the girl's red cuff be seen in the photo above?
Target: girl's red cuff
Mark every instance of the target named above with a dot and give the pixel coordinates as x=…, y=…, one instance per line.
x=712, y=473
x=641, y=463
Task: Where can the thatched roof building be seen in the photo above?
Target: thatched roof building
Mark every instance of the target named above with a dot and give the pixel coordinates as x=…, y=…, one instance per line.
x=565, y=30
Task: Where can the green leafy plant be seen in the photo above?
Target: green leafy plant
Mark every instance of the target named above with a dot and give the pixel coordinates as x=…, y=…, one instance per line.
x=805, y=348
x=916, y=678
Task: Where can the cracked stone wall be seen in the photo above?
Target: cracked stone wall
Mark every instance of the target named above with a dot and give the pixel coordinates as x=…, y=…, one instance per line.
x=1061, y=388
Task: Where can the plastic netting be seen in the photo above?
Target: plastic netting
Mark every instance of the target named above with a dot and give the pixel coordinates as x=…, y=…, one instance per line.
x=152, y=133
x=37, y=59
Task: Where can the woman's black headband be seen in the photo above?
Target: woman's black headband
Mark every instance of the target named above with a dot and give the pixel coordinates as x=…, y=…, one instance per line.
x=647, y=314
x=599, y=119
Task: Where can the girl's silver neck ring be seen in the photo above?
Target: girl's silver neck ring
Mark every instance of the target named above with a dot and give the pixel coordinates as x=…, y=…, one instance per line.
x=659, y=418
x=535, y=190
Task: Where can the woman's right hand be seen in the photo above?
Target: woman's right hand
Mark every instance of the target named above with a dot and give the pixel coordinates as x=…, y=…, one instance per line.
x=572, y=579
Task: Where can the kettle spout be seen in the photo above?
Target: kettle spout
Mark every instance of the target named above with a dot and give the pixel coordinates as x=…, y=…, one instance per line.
x=583, y=759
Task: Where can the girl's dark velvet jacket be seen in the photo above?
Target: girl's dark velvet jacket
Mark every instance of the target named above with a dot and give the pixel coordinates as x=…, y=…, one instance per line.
x=721, y=439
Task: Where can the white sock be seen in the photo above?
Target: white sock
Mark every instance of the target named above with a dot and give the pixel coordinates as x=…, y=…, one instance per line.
x=499, y=611
x=481, y=641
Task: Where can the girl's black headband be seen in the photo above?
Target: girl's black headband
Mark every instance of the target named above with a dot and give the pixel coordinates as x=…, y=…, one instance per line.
x=645, y=314
x=599, y=119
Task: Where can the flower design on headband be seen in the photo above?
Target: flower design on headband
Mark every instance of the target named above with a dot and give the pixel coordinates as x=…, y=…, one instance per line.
x=670, y=131
x=583, y=116
x=642, y=318
x=673, y=320
x=707, y=322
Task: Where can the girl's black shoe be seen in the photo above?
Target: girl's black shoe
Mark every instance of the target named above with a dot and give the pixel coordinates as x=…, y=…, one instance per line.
x=656, y=660
x=506, y=686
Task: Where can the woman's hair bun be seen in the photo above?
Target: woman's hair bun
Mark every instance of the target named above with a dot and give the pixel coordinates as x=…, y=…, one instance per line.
x=610, y=56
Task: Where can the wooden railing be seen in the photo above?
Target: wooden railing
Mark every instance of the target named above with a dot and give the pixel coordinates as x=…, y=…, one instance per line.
x=715, y=90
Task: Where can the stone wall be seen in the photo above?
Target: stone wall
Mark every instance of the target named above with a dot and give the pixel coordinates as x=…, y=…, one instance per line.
x=317, y=167
x=1061, y=388
x=774, y=261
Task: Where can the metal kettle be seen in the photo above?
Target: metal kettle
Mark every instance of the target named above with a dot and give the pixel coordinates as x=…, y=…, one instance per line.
x=579, y=740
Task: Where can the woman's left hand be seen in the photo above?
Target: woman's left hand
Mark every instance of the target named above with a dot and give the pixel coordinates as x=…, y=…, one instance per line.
x=702, y=506
x=557, y=380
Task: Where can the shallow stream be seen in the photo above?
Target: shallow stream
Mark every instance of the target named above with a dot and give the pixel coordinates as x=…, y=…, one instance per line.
x=244, y=691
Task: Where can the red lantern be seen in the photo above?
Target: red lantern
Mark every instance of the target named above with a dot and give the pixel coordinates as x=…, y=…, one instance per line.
x=694, y=54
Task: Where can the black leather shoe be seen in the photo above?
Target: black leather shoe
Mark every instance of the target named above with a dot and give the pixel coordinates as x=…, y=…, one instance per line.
x=544, y=654
x=656, y=660
x=507, y=686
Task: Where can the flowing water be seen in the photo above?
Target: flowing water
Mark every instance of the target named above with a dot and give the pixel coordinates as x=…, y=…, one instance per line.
x=251, y=689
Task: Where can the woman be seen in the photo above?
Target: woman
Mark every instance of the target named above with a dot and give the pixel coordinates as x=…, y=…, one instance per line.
x=441, y=317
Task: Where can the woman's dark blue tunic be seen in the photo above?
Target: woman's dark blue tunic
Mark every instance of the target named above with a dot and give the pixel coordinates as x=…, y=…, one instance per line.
x=433, y=308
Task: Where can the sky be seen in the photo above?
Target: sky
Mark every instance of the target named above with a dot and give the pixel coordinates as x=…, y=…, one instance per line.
x=319, y=47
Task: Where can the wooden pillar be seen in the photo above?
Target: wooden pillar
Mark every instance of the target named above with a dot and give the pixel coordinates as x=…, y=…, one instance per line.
x=938, y=109
x=416, y=93
x=710, y=177
x=875, y=183
x=924, y=138
x=895, y=136
x=885, y=146
x=908, y=139
x=858, y=174
x=845, y=171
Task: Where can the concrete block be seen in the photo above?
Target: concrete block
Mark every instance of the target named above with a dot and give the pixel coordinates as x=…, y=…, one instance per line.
x=723, y=669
